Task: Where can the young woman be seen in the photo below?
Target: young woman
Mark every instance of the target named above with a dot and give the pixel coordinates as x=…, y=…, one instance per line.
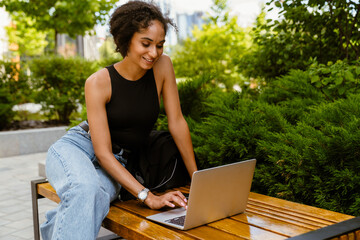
x=122, y=103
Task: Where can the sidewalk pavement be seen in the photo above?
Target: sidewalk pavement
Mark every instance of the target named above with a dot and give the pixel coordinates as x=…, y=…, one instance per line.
x=16, y=221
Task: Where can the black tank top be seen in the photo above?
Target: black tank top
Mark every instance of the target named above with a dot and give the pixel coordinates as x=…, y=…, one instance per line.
x=132, y=110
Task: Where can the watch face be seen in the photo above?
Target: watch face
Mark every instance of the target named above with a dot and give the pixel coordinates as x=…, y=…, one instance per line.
x=142, y=195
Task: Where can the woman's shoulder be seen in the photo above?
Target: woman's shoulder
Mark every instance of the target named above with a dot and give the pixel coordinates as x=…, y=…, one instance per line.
x=98, y=85
x=163, y=65
x=163, y=60
x=99, y=78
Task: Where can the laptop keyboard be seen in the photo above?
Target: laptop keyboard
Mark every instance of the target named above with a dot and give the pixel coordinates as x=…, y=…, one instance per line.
x=177, y=220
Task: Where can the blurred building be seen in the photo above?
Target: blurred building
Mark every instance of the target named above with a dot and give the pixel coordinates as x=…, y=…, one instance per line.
x=186, y=23
x=84, y=46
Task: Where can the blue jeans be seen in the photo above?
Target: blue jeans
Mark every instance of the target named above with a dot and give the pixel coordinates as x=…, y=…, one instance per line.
x=84, y=187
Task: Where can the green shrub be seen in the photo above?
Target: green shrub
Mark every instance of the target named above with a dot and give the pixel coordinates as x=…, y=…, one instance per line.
x=337, y=80
x=193, y=94
x=59, y=83
x=14, y=89
x=233, y=127
x=307, y=144
x=293, y=93
x=6, y=105
x=317, y=161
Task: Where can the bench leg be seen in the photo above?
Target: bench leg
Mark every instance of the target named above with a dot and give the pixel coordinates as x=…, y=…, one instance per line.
x=34, y=198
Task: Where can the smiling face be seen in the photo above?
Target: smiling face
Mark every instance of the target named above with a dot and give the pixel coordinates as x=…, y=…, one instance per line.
x=146, y=46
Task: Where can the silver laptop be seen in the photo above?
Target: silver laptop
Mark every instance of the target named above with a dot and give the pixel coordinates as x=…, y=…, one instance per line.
x=215, y=193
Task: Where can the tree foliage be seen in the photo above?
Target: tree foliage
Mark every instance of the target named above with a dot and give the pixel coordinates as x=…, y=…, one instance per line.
x=62, y=16
x=23, y=32
x=319, y=29
x=215, y=49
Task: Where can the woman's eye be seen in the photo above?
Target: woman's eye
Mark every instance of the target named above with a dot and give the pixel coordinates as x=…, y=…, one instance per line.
x=146, y=45
x=160, y=46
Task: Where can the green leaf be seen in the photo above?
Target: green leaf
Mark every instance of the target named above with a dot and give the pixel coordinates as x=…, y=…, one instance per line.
x=357, y=70
x=349, y=76
x=342, y=90
x=339, y=80
x=278, y=4
x=315, y=78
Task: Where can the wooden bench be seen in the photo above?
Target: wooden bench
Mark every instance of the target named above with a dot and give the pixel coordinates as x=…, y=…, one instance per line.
x=265, y=218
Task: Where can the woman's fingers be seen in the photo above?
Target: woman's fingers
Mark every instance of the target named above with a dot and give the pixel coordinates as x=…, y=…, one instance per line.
x=178, y=198
x=170, y=199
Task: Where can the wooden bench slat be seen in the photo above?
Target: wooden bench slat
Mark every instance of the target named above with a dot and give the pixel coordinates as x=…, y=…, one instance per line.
x=46, y=190
x=321, y=213
x=185, y=189
x=317, y=220
x=206, y=232
x=287, y=220
x=286, y=217
x=245, y=231
x=120, y=221
x=137, y=208
x=271, y=224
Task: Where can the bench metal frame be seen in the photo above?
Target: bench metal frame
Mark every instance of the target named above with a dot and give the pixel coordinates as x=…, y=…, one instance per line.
x=35, y=196
x=35, y=205
x=335, y=230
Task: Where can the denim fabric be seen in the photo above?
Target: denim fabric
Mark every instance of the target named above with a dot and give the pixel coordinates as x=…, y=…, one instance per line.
x=85, y=189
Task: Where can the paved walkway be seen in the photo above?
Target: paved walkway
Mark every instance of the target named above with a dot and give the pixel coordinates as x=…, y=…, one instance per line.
x=15, y=197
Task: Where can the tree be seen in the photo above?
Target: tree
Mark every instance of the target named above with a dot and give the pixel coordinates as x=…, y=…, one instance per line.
x=216, y=49
x=22, y=32
x=325, y=30
x=63, y=16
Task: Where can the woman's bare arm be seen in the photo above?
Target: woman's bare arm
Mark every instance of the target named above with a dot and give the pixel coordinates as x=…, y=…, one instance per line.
x=177, y=124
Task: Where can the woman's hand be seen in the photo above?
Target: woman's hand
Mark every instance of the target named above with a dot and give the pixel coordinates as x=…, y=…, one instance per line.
x=170, y=199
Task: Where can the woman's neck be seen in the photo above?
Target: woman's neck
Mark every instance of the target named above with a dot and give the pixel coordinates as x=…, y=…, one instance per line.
x=129, y=70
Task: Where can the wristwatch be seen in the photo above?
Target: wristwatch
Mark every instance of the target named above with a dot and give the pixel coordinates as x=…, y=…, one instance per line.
x=143, y=194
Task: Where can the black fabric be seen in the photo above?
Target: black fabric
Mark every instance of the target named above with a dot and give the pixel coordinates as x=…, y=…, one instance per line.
x=132, y=110
x=159, y=166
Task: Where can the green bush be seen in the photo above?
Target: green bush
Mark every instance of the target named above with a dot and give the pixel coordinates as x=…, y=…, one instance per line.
x=337, y=80
x=193, y=94
x=233, y=128
x=317, y=161
x=14, y=89
x=306, y=143
x=293, y=93
x=59, y=84
x=6, y=105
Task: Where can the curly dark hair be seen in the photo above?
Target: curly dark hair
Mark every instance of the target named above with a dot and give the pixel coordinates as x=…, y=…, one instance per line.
x=130, y=18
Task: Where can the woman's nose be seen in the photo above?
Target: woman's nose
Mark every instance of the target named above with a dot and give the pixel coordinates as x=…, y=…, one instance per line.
x=153, y=52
